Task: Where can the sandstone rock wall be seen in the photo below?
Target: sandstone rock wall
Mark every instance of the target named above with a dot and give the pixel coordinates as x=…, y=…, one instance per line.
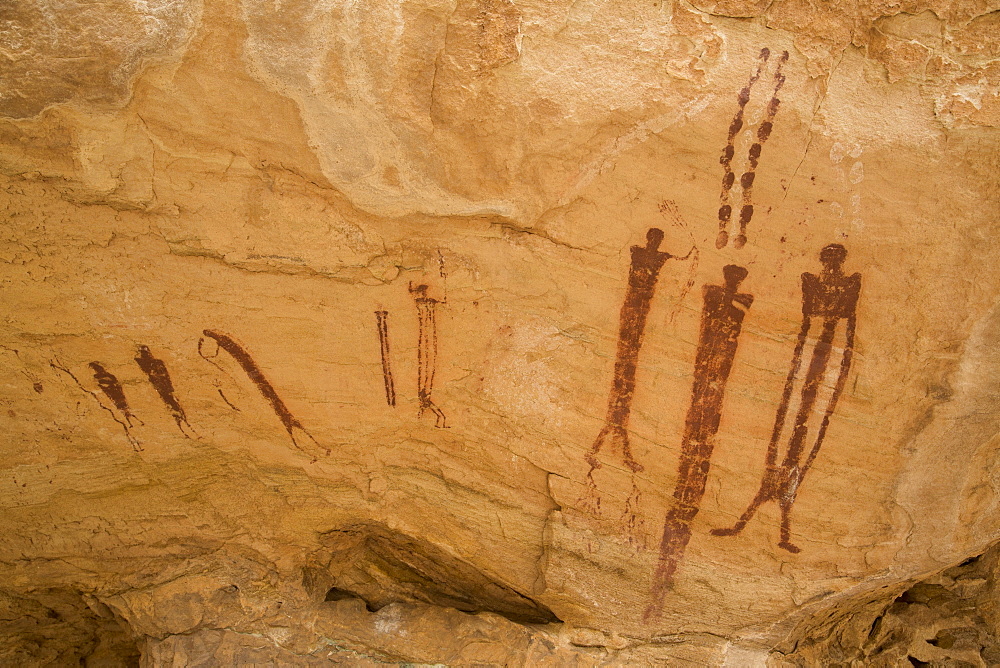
x=342, y=331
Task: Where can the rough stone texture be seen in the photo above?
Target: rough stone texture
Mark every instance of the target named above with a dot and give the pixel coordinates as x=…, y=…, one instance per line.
x=947, y=620
x=54, y=52
x=280, y=171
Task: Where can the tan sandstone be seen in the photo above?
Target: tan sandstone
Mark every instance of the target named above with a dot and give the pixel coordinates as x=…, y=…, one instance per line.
x=279, y=171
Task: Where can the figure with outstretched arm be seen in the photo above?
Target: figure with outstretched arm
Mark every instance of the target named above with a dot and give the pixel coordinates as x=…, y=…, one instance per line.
x=643, y=273
x=112, y=389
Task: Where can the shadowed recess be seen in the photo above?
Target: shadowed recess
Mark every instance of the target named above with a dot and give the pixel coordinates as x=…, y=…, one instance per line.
x=62, y=627
x=380, y=567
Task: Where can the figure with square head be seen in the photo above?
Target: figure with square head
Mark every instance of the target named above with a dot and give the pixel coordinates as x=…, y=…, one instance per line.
x=829, y=301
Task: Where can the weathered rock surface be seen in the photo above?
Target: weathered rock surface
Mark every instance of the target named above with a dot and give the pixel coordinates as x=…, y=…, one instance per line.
x=336, y=332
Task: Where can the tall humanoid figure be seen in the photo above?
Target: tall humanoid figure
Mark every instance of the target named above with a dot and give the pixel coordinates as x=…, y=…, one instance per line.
x=721, y=324
x=643, y=272
x=829, y=301
x=156, y=371
x=427, y=350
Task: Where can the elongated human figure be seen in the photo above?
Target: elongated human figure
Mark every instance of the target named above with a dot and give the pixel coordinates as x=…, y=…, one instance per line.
x=721, y=324
x=292, y=425
x=112, y=389
x=643, y=272
x=159, y=378
x=831, y=298
x=427, y=349
x=382, y=320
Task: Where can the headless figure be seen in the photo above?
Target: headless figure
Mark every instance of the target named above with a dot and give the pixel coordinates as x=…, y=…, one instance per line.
x=721, y=323
x=427, y=349
x=382, y=320
x=112, y=389
x=159, y=377
x=301, y=438
x=828, y=300
x=645, y=269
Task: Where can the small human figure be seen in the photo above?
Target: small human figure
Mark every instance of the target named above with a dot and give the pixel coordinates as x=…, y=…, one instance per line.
x=156, y=371
x=721, y=323
x=830, y=298
x=427, y=350
x=112, y=389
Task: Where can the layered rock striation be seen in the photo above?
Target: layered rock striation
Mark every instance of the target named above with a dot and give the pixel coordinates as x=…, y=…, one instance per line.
x=499, y=332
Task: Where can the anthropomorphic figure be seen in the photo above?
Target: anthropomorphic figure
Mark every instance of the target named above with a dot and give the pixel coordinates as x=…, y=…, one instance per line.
x=829, y=300
x=721, y=323
x=112, y=389
x=645, y=269
x=382, y=321
x=427, y=349
x=159, y=378
x=301, y=438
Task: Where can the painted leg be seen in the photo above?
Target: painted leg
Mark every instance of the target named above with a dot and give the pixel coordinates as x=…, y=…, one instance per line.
x=675, y=537
x=762, y=496
x=591, y=455
x=439, y=418
x=185, y=428
x=786, y=533
x=627, y=454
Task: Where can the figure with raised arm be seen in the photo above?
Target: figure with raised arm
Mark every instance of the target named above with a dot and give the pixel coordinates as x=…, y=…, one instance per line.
x=643, y=272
